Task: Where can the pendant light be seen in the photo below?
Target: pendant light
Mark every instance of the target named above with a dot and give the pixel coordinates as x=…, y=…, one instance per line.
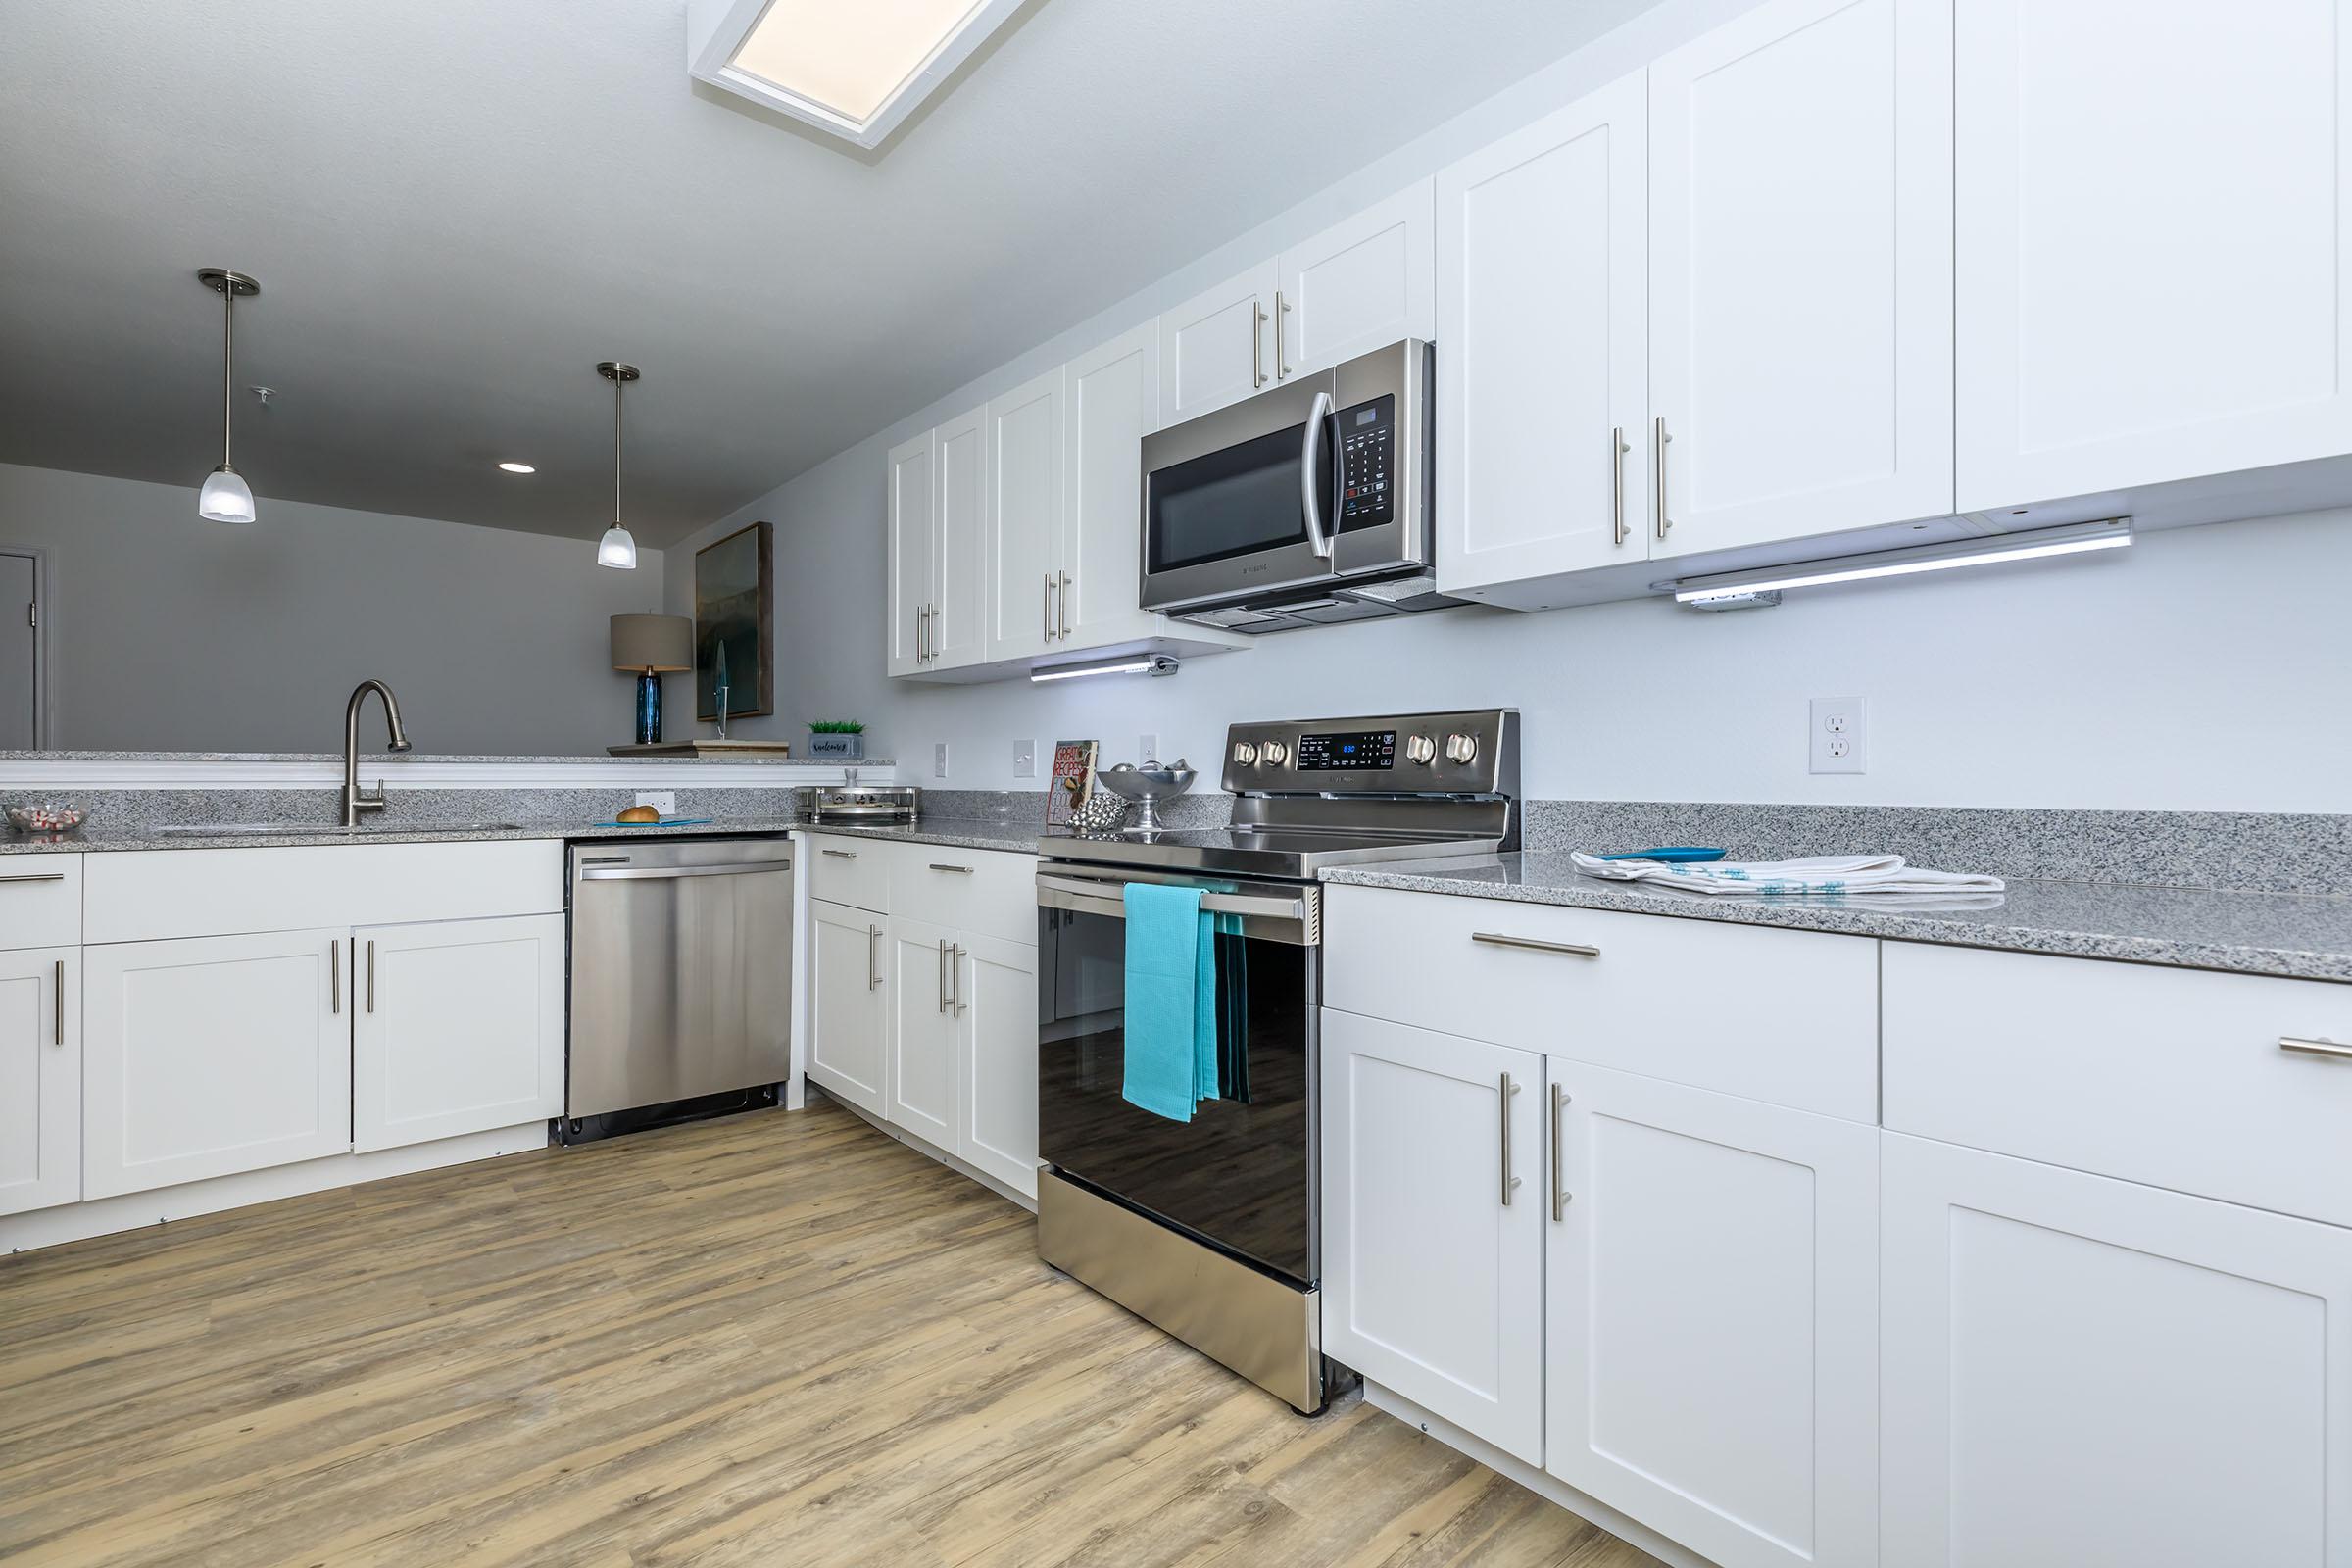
x=616, y=548
x=226, y=496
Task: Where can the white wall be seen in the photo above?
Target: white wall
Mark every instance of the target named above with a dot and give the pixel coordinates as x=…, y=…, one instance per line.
x=169, y=634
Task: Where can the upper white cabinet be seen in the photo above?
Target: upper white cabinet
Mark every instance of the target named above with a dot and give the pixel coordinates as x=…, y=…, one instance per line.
x=1025, y=524
x=2080, y=1370
x=1800, y=273
x=1359, y=285
x=1214, y=348
x=1542, y=364
x=913, y=528
x=959, y=586
x=458, y=1028
x=2154, y=257
x=40, y=1077
x=1111, y=401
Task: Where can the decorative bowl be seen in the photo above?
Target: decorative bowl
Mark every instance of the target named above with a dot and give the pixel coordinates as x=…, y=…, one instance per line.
x=46, y=816
x=1147, y=787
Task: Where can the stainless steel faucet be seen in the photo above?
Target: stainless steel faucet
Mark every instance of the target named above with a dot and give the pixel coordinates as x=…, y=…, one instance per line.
x=354, y=802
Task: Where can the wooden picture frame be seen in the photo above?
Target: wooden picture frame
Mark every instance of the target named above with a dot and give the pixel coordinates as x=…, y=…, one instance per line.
x=734, y=581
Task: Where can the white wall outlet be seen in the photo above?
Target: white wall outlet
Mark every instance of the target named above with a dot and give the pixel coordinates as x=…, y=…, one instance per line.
x=1147, y=749
x=1838, y=735
x=1024, y=759
x=664, y=801
x=939, y=761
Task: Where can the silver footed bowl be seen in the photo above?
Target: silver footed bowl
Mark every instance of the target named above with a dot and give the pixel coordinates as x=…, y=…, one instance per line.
x=1147, y=787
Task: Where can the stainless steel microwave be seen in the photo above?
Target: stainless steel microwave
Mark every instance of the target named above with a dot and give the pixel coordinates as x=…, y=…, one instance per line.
x=1301, y=494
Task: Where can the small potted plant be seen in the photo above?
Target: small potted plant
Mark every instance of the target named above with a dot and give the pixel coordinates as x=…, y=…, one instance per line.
x=841, y=739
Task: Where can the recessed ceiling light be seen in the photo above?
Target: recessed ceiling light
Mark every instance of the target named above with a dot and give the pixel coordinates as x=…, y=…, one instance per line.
x=854, y=69
x=519, y=468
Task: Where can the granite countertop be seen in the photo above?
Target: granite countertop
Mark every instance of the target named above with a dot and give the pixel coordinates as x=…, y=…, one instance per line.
x=2298, y=935
x=978, y=834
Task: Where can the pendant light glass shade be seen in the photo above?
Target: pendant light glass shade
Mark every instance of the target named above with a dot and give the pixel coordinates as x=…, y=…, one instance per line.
x=616, y=549
x=226, y=496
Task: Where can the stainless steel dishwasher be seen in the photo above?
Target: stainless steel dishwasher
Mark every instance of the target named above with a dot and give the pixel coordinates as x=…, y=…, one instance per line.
x=681, y=981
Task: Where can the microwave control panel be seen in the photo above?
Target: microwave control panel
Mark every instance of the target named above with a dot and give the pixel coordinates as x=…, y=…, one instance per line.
x=1367, y=464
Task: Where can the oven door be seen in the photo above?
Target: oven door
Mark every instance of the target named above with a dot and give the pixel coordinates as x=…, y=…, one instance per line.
x=1241, y=1174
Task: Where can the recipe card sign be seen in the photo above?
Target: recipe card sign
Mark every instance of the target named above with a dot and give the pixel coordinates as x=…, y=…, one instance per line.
x=1073, y=779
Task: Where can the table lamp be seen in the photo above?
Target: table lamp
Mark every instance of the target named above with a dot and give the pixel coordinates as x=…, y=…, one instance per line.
x=647, y=646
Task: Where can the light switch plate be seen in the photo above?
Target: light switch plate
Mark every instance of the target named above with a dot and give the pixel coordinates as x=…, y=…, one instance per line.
x=939, y=761
x=664, y=801
x=1024, y=759
x=1147, y=749
x=1838, y=735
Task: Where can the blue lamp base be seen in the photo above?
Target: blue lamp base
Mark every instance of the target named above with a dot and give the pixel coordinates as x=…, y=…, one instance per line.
x=649, y=709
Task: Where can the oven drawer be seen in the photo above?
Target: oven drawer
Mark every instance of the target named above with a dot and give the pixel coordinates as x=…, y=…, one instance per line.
x=1789, y=1017
x=992, y=892
x=850, y=870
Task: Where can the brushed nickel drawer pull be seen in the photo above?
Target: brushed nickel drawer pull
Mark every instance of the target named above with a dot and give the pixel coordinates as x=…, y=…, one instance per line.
x=960, y=870
x=1572, y=950
x=334, y=982
x=2315, y=1048
x=57, y=1022
x=370, y=976
x=840, y=854
x=873, y=956
x=1509, y=1181
x=1559, y=1182
x=35, y=877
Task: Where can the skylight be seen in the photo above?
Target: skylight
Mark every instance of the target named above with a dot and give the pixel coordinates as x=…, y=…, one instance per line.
x=853, y=67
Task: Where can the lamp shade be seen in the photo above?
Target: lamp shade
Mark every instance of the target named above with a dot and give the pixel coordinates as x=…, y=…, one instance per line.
x=652, y=642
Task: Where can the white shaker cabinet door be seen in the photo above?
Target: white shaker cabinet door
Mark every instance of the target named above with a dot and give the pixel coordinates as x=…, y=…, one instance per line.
x=1214, y=348
x=1110, y=402
x=1433, y=1223
x=1359, y=285
x=1024, y=429
x=458, y=1027
x=1713, y=1273
x=960, y=579
x=913, y=522
x=2155, y=243
x=995, y=993
x=40, y=1078
x=922, y=1077
x=213, y=1054
x=848, y=1012
x=1542, y=373
x=1800, y=273
x=2084, y=1373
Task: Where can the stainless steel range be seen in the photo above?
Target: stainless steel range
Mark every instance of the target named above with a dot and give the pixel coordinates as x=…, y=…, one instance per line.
x=1210, y=1228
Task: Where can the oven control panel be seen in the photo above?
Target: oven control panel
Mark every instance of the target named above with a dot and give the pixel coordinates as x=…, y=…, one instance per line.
x=1470, y=753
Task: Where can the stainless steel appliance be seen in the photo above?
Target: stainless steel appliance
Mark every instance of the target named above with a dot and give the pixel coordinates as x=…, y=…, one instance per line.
x=681, y=980
x=853, y=802
x=1302, y=505
x=1210, y=1228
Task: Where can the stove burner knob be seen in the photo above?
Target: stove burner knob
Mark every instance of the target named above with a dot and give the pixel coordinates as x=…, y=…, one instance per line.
x=1245, y=753
x=1274, y=753
x=1461, y=749
x=1420, y=749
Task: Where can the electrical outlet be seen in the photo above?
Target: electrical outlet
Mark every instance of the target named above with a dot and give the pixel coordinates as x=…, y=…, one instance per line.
x=1837, y=731
x=1147, y=749
x=664, y=801
x=1024, y=759
x=939, y=761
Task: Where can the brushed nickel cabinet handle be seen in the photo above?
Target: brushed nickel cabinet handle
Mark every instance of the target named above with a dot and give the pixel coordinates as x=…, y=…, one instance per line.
x=840, y=854
x=956, y=1002
x=372, y=976
x=34, y=876
x=57, y=1007
x=1509, y=1181
x=960, y=870
x=943, y=974
x=1063, y=603
x=335, y=982
x=1559, y=1176
x=1664, y=522
x=2315, y=1048
x=1572, y=950
x=1282, y=350
x=873, y=956
x=1257, y=333
x=1617, y=451
x=1046, y=604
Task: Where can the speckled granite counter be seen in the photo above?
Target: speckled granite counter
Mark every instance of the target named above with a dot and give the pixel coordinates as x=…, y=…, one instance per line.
x=2303, y=936
x=968, y=835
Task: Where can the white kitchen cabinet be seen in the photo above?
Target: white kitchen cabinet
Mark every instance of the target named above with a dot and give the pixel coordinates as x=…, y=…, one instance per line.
x=960, y=594
x=1712, y=1294
x=40, y=1078
x=1110, y=402
x=2155, y=243
x=848, y=1009
x=1358, y=286
x=913, y=528
x=1543, y=374
x=1214, y=348
x=1025, y=522
x=212, y=1055
x=1800, y=273
x=457, y=1027
x=924, y=1025
x=993, y=993
x=2081, y=1371
x=1433, y=1223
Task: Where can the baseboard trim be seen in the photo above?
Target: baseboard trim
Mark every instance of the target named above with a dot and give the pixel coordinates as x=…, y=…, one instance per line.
x=928, y=1150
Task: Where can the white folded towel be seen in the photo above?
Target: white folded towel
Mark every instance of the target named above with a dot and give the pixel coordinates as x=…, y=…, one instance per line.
x=1811, y=875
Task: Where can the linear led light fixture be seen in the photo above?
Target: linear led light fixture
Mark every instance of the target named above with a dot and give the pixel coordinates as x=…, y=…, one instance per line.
x=2072, y=540
x=853, y=69
x=1133, y=664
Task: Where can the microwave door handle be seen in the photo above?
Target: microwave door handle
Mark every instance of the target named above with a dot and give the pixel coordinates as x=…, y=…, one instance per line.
x=1317, y=540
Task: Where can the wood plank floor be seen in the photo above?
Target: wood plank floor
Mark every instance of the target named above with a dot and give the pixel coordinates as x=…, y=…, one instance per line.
x=784, y=1339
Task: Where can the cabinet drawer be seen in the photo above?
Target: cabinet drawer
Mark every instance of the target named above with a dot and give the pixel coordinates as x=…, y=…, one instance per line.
x=991, y=892
x=1789, y=1017
x=40, y=901
x=850, y=871
x=2173, y=1077
x=147, y=895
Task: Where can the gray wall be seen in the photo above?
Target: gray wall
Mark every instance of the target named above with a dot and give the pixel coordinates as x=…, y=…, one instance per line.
x=171, y=633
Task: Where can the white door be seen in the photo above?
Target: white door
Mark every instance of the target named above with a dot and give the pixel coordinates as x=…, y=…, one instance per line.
x=1433, y=1223
x=2155, y=243
x=1800, y=273
x=2084, y=1373
x=1542, y=373
x=923, y=1029
x=1214, y=348
x=914, y=522
x=1024, y=429
x=995, y=988
x=959, y=591
x=1713, y=1291
x=1110, y=402
x=458, y=1027
x=40, y=1078
x=849, y=1017
x=212, y=1055
x=1358, y=286
x=19, y=640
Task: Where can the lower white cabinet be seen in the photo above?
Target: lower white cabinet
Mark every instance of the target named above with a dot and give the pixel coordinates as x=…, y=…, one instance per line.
x=212, y=1055
x=2080, y=1371
x=459, y=1028
x=848, y=1009
x=1433, y=1223
x=1712, y=1294
x=994, y=986
x=924, y=1023
x=40, y=1078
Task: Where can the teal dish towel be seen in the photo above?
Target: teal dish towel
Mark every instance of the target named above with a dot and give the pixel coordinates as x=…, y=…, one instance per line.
x=1171, y=1007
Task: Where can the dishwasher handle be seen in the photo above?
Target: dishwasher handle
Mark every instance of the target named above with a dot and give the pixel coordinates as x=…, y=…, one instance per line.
x=663, y=873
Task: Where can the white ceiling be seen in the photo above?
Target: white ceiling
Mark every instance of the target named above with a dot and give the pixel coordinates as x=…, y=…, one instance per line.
x=455, y=209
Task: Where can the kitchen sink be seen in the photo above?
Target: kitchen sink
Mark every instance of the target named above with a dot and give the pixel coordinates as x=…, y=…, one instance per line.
x=324, y=829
